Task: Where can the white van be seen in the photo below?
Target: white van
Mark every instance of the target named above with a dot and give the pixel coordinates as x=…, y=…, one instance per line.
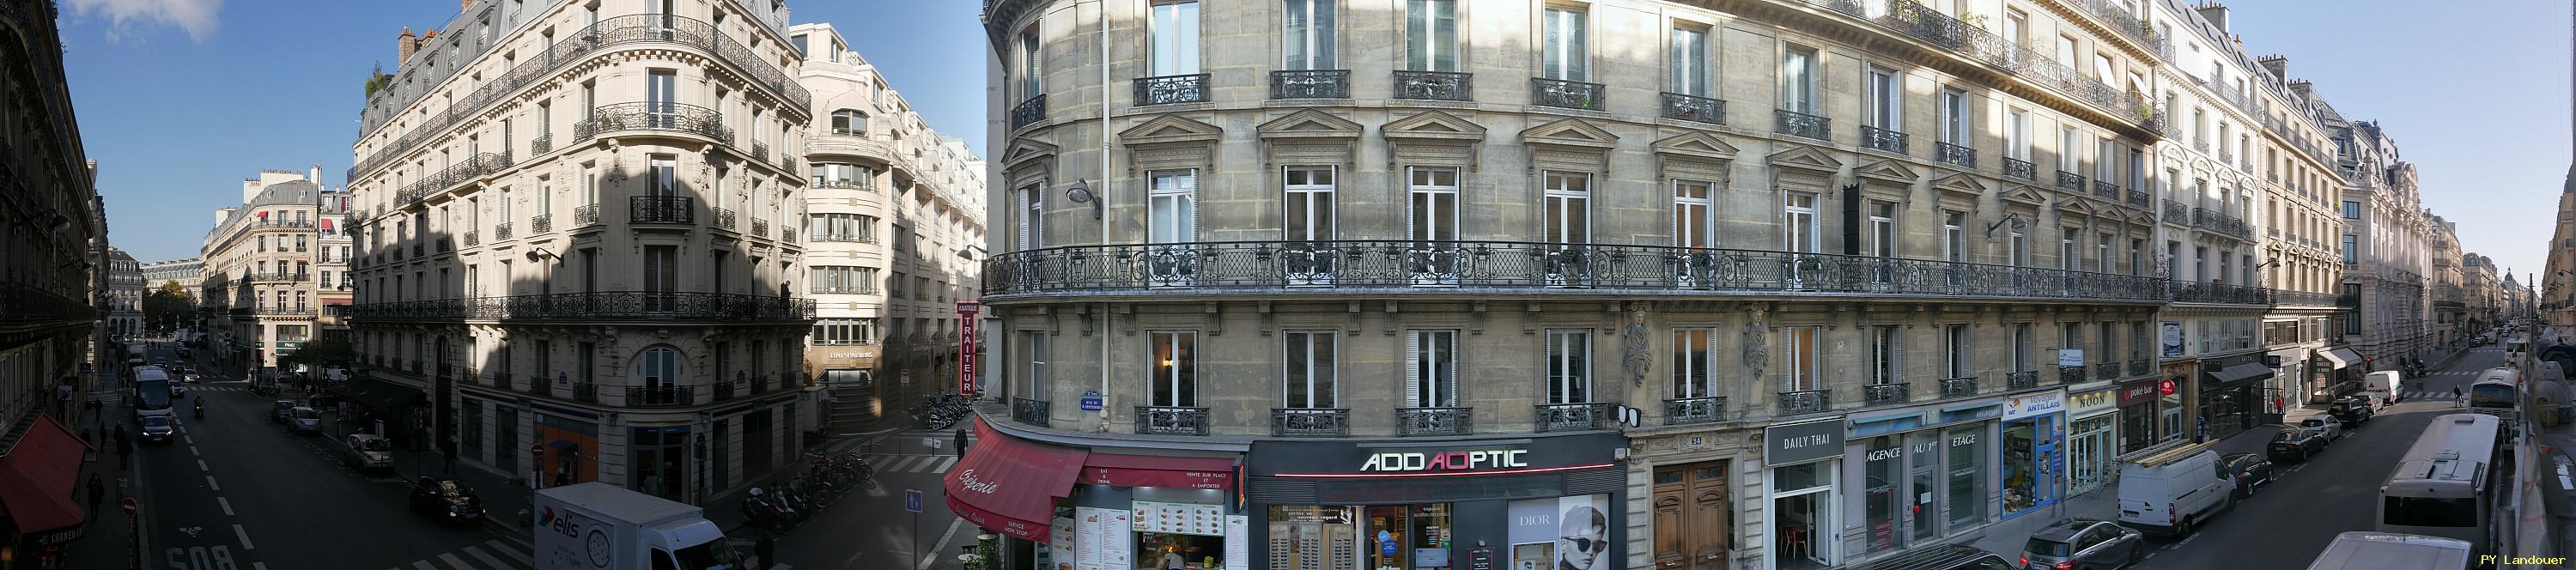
x=2386, y=386
x=2166, y=494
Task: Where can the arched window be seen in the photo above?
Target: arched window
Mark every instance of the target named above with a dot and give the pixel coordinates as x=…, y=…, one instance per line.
x=658, y=377
x=850, y=122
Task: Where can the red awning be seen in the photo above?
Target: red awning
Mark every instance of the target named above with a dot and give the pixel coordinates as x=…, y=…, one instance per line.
x=1009, y=485
x=1151, y=471
x=326, y=223
x=37, y=480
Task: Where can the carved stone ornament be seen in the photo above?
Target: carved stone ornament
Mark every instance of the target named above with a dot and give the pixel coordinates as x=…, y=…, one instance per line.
x=1757, y=348
x=1639, y=358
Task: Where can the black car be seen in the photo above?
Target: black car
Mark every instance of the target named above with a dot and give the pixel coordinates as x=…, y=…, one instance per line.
x=2351, y=413
x=279, y=411
x=446, y=500
x=2249, y=471
x=2295, y=444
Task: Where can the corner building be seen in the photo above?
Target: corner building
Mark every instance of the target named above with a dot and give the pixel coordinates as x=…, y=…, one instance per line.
x=564, y=263
x=1840, y=263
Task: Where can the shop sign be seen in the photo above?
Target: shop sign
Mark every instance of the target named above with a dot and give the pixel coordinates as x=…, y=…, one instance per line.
x=966, y=321
x=1799, y=443
x=2172, y=338
x=831, y=357
x=1447, y=461
x=2089, y=402
x=1090, y=400
x=2034, y=405
x=2070, y=357
x=2139, y=391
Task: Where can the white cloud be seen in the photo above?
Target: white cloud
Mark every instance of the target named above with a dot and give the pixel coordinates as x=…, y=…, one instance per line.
x=197, y=17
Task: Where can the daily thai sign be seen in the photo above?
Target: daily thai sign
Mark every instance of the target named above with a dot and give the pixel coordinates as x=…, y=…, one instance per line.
x=1800, y=443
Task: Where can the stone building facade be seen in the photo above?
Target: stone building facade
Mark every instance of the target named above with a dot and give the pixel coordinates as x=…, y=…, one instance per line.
x=573, y=232
x=125, y=289
x=261, y=296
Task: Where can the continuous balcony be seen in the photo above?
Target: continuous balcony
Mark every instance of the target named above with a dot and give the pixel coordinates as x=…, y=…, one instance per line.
x=653, y=116
x=2219, y=293
x=278, y=277
x=538, y=67
x=605, y=306
x=2003, y=55
x=1434, y=85
x=1684, y=411
x=2302, y=299
x=1694, y=108
x=1310, y=84
x=1169, y=89
x=1566, y=94
x=1379, y=267
x=2222, y=223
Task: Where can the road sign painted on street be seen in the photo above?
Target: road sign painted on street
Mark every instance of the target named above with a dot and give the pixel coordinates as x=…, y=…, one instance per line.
x=911, y=501
x=129, y=505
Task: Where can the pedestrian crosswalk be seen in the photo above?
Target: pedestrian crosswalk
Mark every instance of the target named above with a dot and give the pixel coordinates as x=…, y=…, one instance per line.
x=933, y=464
x=495, y=554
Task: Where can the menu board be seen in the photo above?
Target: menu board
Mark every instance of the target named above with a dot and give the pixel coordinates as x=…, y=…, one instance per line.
x=1238, y=543
x=1059, y=549
x=1179, y=518
x=1101, y=540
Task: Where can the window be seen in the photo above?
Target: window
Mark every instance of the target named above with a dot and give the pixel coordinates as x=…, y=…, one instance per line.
x=2351, y=210
x=2102, y=253
x=1887, y=355
x=1886, y=99
x=2070, y=149
x=1692, y=373
x=1798, y=234
x=2069, y=252
x=2137, y=257
x=1954, y=237
x=1032, y=65
x=2102, y=163
x=850, y=122
x=589, y=184
x=2351, y=249
x=660, y=368
x=662, y=176
x=1694, y=214
x=1032, y=216
x=843, y=279
x=662, y=109
x=798, y=40
x=1432, y=204
x=1173, y=206
x=1310, y=203
x=2017, y=135
x=1798, y=81
x=1431, y=368
x=1562, y=56
x=1033, y=365
x=1962, y=357
x=1568, y=201
x=1175, y=377
x=844, y=227
x=1882, y=230
x=661, y=265
x=1175, y=38
x=2016, y=29
x=1569, y=366
x=845, y=331
x=1431, y=35
x=2138, y=340
x=1308, y=380
x=2022, y=339
x=1689, y=60
x=1955, y=117
x=1308, y=35
x=1799, y=360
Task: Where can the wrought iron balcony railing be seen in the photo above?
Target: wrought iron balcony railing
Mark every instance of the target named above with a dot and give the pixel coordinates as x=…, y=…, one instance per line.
x=544, y=143
x=1032, y=412
x=653, y=116
x=585, y=392
x=854, y=238
x=607, y=306
x=2106, y=190
x=1882, y=139
x=1956, y=155
x=1434, y=85
x=541, y=223
x=501, y=231
x=2023, y=380
x=2070, y=374
x=1310, y=422
x=2197, y=292
x=2142, y=366
x=2221, y=222
x=866, y=184
x=585, y=215
x=759, y=227
x=2176, y=212
x=1434, y=421
x=2139, y=199
x=1958, y=387
x=2022, y=169
x=473, y=238
x=2302, y=298
x=724, y=218
x=1171, y=420
x=1029, y=112
x=1805, y=402
x=1974, y=42
x=2070, y=182
x=759, y=151
x=1310, y=84
x=1170, y=89
x=1798, y=124
x=663, y=209
x=1564, y=93
x=1694, y=108
x=2106, y=370
x=1884, y=394
x=1683, y=411
x=1573, y=417
x=1406, y=265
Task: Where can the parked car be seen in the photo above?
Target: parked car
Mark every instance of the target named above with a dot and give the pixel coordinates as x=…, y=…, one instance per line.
x=280, y=410
x=2171, y=496
x=2296, y=444
x=178, y=389
x=303, y=420
x=447, y=500
x=2351, y=410
x=192, y=378
x=2249, y=471
x=367, y=452
x=2332, y=426
x=2082, y=544
x=1943, y=557
x=157, y=429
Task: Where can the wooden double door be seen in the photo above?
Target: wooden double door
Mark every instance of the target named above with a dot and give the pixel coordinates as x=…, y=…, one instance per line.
x=1694, y=518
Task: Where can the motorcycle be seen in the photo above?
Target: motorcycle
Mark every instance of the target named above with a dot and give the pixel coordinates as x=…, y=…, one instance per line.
x=201, y=409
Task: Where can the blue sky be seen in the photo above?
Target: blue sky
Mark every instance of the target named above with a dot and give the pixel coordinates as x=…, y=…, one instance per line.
x=179, y=100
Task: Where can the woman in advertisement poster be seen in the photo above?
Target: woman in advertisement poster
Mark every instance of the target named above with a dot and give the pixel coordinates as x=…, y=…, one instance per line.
x=1586, y=535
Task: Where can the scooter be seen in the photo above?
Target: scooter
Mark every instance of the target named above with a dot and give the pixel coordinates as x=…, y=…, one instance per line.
x=201, y=409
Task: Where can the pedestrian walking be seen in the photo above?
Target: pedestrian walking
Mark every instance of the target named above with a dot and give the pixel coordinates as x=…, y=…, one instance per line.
x=766, y=550
x=961, y=442
x=97, y=492
x=2455, y=392
x=124, y=449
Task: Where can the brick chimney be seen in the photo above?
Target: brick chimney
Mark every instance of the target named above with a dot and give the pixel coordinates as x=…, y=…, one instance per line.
x=462, y=5
x=2216, y=14
x=2276, y=64
x=403, y=46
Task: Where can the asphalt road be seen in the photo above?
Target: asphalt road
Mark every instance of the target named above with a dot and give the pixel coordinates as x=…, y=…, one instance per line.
x=871, y=529
x=237, y=492
x=2286, y=524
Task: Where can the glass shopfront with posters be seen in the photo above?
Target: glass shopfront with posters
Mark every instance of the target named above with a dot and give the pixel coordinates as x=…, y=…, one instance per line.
x=2031, y=447
x=1537, y=502
x=1912, y=476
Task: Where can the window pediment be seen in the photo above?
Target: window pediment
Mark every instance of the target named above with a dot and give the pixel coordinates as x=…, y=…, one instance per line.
x=1310, y=123
x=1433, y=125
x=1807, y=158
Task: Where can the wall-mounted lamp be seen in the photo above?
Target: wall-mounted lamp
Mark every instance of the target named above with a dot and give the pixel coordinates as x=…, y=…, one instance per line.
x=539, y=253
x=1080, y=193
x=2015, y=219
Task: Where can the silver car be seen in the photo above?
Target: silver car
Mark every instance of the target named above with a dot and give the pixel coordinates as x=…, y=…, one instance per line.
x=2083, y=544
x=367, y=452
x=304, y=420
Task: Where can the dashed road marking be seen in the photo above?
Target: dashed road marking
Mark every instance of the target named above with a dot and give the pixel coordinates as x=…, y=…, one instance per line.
x=192, y=450
x=210, y=484
x=201, y=465
x=244, y=535
x=488, y=560
x=227, y=504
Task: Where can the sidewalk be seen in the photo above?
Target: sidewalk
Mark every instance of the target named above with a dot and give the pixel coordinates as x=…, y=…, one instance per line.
x=107, y=540
x=2104, y=503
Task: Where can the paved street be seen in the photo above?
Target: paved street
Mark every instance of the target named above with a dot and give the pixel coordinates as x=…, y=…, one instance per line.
x=2286, y=524
x=872, y=530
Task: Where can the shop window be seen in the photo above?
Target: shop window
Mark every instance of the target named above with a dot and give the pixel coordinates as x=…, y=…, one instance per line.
x=1557, y=533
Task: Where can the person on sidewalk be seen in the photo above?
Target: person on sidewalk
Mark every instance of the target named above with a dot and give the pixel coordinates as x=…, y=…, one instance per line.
x=124, y=448
x=766, y=550
x=97, y=492
x=961, y=442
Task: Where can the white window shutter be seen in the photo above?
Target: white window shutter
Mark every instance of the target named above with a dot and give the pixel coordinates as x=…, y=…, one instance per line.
x=1898, y=360
x=1413, y=375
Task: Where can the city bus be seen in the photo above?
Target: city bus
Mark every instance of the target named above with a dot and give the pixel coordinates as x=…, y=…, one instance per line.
x=2359, y=550
x=2497, y=392
x=151, y=392
x=2443, y=485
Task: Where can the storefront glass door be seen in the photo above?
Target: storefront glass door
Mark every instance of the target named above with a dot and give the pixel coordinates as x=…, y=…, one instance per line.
x=1967, y=499
x=1408, y=537
x=2089, y=454
x=1803, y=509
x=1923, y=449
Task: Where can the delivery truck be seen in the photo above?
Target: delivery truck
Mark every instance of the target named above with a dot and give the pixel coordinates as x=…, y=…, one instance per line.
x=597, y=526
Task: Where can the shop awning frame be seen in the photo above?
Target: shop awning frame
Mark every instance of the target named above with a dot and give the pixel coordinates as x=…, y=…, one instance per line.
x=2342, y=357
x=38, y=477
x=2238, y=373
x=1009, y=485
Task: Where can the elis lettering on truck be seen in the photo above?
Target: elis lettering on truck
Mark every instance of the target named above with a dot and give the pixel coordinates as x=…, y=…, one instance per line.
x=1446, y=461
